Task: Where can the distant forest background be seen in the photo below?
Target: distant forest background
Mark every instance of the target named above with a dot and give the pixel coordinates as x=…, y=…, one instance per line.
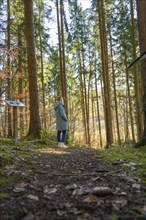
x=87, y=62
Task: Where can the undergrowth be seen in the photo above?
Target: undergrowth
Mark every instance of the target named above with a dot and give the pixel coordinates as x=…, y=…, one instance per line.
x=127, y=155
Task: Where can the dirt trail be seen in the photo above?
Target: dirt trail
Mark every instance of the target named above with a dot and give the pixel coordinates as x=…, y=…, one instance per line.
x=72, y=184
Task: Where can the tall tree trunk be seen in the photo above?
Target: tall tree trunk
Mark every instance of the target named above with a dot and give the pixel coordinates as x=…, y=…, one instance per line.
x=126, y=120
x=62, y=51
x=42, y=69
x=105, y=73
x=115, y=94
x=64, y=88
x=20, y=82
x=82, y=98
x=93, y=114
x=85, y=100
x=35, y=125
x=141, y=11
x=129, y=100
x=9, y=70
x=136, y=86
x=98, y=112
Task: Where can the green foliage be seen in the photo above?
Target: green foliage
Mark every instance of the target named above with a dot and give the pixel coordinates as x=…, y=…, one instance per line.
x=3, y=181
x=127, y=155
x=46, y=135
x=5, y=159
x=3, y=196
x=114, y=217
x=9, y=181
x=12, y=153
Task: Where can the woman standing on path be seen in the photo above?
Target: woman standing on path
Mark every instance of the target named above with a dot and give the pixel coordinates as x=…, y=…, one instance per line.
x=61, y=122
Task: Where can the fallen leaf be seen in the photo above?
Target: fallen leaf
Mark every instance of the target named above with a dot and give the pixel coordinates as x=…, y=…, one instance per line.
x=136, y=186
x=141, y=210
x=60, y=212
x=18, y=189
x=121, y=202
x=90, y=199
x=123, y=193
x=115, y=208
x=76, y=212
x=32, y=197
x=130, y=164
x=9, y=167
x=72, y=186
x=49, y=191
x=95, y=178
x=79, y=192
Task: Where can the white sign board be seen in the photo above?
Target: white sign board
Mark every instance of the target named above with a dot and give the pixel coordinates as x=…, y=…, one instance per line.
x=15, y=103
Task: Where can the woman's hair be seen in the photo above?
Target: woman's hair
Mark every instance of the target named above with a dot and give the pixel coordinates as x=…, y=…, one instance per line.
x=59, y=98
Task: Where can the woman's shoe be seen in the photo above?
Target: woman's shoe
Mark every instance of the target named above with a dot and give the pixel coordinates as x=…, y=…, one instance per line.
x=62, y=145
x=59, y=144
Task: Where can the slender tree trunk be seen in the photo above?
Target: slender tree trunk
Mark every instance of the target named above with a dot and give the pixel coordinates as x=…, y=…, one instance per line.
x=26, y=109
x=8, y=71
x=98, y=112
x=35, y=125
x=141, y=11
x=136, y=86
x=42, y=70
x=85, y=101
x=20, y=83
x=93, y=115
x=59, y=39
x=126, y=120
x=62, y=51
x=88, y=109
x=129, y=100
x=115, y=94
x=64, y=89
x=105, y=73
x=82, y=98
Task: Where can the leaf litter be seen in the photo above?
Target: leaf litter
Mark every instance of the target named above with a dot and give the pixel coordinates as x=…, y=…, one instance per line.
x=72, y=184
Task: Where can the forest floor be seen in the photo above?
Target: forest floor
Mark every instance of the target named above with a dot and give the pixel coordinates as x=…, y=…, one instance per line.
x=48, y=183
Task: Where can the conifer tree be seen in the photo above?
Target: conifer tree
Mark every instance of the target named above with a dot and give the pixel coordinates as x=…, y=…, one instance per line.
x=35, y=125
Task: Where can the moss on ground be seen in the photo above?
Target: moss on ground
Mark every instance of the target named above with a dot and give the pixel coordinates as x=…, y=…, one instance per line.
x=3, y=196
x=128, y=155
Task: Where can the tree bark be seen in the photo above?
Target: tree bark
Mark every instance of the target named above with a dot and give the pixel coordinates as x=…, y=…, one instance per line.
x=9, y=70
x=129, y=100
x=35, y=125
x=61, y=51
x=115, y=94
x=20, y=82
x=141, y=12
x=82, y=98
x=136, y=83
x=98, y=112
x=105, y=74
x=44, y=123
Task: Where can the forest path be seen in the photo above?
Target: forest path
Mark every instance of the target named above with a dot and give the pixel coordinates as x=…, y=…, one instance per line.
x=71, y=184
